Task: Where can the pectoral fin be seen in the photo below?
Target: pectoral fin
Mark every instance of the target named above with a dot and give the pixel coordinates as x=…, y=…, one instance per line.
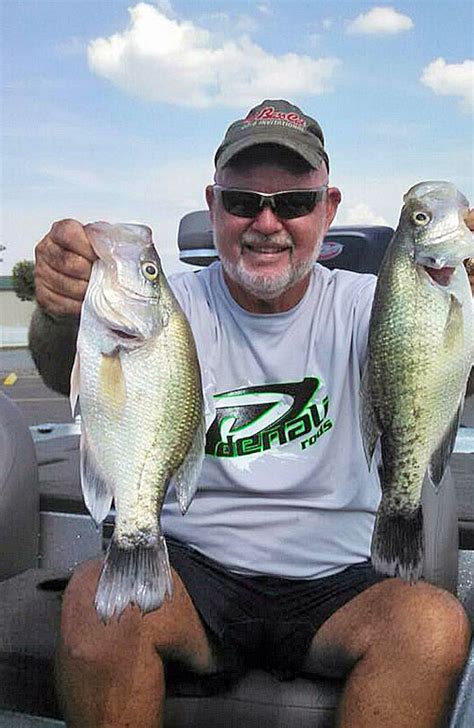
x=112, y=390
x=440, y=458
x=454, y=329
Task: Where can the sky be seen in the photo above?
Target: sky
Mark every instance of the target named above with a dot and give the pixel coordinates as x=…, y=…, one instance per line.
x=113, y=109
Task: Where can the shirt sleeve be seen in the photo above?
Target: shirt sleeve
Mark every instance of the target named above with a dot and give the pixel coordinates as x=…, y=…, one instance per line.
x=52, y=344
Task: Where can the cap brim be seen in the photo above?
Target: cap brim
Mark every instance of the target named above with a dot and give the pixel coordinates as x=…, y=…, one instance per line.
x=309, y=154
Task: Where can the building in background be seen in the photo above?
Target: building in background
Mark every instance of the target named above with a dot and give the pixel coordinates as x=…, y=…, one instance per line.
x=15, y=315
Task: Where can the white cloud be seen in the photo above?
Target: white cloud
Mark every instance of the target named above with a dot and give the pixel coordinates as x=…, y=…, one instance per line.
x=165, y=7
x=380, y=21
x=246, y=24
x=362, y=214
x=176, y=61
x=225, y=25
x=451, y=79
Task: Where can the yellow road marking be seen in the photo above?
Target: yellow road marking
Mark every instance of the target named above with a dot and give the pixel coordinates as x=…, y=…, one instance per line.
x=21, y=377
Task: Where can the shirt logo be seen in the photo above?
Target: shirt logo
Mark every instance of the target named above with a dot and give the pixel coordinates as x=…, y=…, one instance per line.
x=255, y=419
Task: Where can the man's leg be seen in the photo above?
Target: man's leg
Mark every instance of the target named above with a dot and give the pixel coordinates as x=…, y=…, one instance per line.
x=112, y=676
x=402, y=648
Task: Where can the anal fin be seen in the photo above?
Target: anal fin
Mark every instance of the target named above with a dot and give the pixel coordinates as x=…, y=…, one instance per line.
x=97, y=494
x=369, y=429
x=186, y=477
x=74, y=384
x=440, y=457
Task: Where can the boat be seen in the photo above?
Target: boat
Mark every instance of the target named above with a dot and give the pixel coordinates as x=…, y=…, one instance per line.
x=45, y=532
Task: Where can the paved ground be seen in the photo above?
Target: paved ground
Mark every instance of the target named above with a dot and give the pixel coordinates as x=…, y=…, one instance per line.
x=38, y=403
x=17, y=359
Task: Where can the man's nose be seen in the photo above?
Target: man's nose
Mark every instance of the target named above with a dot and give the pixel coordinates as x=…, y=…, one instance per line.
x=266, y=221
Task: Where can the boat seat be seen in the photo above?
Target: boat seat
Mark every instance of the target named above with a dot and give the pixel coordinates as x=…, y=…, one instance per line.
x=19, y=492
x=356, y=248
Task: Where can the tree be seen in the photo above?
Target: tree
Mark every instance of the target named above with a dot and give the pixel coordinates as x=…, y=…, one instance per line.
x=23, y=275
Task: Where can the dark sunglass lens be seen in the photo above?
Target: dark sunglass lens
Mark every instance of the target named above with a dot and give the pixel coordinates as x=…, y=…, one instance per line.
x=295, y=204
x=242, y=204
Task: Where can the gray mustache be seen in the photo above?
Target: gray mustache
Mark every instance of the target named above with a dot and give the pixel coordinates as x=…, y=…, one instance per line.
x=277, y=240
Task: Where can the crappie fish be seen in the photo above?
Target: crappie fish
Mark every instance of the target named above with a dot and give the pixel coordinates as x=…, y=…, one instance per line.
x=137, y=377
x=420, y=352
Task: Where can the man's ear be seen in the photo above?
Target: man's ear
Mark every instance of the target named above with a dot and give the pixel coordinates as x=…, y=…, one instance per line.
x=211, y=200
x=333, y=200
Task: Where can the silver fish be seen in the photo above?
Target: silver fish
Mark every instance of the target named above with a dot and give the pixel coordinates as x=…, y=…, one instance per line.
x=420, y=352
x=138, y=381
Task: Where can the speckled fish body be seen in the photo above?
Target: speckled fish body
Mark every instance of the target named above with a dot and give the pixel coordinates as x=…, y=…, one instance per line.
x=138, y=381
x=420, y=352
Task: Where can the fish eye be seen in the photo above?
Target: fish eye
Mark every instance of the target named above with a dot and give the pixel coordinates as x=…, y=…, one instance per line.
x=150, y=271
x=420, y=217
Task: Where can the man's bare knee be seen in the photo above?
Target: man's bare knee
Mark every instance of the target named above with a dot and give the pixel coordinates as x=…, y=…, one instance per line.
x=432, y=625
x=79, y=621
x=107, y=674
x=174, y=631
x=392, y=617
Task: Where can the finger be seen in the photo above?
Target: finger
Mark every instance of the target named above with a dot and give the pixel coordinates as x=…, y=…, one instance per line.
x=58, y=305
x=70, y=235
x=61, y=260
x=469, y=219
x=59, y=283
x=469, y=263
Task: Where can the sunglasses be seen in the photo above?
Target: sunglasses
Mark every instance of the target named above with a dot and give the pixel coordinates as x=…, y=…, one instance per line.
x=287, y=204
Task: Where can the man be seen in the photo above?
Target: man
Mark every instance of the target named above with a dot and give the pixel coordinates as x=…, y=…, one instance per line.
x=271, y=561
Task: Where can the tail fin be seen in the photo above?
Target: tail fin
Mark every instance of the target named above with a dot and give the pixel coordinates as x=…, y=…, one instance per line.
x=139, y=575
x=398, y=544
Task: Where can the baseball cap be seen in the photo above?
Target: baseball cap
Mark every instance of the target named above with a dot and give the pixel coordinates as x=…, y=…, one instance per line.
x=275, y=122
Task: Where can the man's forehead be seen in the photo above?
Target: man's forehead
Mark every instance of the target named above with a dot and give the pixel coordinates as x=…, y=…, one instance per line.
x=270, y=173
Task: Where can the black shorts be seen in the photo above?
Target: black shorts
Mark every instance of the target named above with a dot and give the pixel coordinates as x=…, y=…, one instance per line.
x=264, y=621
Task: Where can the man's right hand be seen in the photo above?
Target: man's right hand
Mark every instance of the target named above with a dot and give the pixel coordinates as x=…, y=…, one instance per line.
x=64, y=259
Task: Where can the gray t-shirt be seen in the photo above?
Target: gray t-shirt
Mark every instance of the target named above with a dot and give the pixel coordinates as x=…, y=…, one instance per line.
x=285, y=489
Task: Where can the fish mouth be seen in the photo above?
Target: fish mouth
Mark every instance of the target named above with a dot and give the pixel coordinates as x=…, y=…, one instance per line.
x=441, y=276
x=135, y=296
x=126, y=335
